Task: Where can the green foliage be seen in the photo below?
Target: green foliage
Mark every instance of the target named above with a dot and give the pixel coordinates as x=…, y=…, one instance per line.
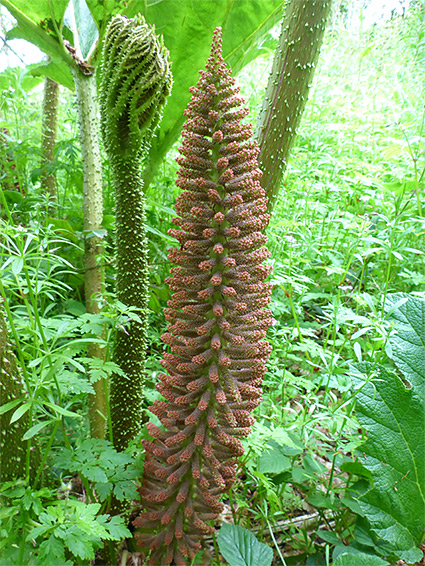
x=340, y=238
x=39, y=529
x=188, y=48
x=406, y=345
x=358, y=559
x=346, y=232
x=18, y=457
x=39, y=24
x=16, y=83
x=100, y=465
x=40, y=10
x=136, y=81
x=391, y=410
x=240, y=547
x=84, y=30
x=78, y=526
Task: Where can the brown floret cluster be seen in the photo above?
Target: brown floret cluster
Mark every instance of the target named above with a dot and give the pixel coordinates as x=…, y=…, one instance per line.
x=218, y=317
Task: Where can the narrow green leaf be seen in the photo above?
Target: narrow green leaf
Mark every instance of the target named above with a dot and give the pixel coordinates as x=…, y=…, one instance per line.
x=17, y=265
x=63, y=411
x=20, y=411
x=8, y=406
x=35, y=429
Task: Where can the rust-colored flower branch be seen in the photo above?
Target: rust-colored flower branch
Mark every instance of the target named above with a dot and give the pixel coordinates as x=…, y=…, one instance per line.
x=217, y=322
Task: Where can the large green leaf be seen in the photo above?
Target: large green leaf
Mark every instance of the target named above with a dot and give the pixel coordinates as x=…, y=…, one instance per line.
x=407, y=344
x=187, y=27
x=273, y=459
x=38, y=21
x=103, y=11
x=40, y=10
x=35, y=34
x=55, y=70
x=360, y=559
x=84, y=28
x=240, y=547
x=392, y=414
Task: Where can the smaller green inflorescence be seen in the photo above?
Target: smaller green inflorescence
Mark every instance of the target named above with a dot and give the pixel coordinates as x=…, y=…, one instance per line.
x=136, y=80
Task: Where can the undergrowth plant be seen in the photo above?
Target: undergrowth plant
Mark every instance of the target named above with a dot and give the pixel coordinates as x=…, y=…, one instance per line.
x=42, y=408
x=391, y=406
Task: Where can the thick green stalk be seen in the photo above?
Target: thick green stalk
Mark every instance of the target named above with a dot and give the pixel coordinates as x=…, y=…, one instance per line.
x=132, y=289
x=85, y=88
x=294, y=63
x=15, y=452
x=53, y=43
x=48, y=135
x=136, y=81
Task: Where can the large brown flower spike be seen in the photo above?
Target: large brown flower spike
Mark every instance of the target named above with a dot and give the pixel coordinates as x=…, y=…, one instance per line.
x=217, y=322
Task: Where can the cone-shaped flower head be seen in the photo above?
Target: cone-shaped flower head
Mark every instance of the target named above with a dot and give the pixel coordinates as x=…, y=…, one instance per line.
x=217, y=322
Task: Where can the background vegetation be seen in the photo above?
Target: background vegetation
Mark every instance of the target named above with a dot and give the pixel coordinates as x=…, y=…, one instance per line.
x=347, y=233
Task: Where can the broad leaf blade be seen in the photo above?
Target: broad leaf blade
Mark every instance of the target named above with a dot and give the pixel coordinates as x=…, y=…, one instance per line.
x=360, y=559
x=37, y=24
x=103, y=11
x=46, y=42
x=41, y=10
x=240, y=547
x=187, y=27
x=55, y=70
x=407, y=344
x=393, y=416
x=84, y=28
x=273, y=461
x=394, y=452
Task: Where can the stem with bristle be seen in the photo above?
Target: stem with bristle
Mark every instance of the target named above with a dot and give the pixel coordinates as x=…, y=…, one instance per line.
x=136, y=81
